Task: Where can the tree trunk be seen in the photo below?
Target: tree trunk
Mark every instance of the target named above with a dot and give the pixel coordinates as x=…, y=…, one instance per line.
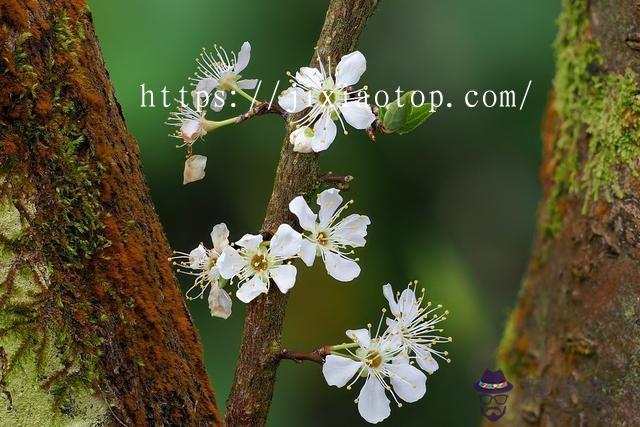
x=572, y=345
x=297, y=174
x=93, y=328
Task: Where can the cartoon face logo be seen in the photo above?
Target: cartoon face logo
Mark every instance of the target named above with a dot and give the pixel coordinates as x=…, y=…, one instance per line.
x=493, y=388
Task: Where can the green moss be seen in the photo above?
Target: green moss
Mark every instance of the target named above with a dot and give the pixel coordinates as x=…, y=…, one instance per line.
x=66, y=35
x=49, y=354
x=605, y=107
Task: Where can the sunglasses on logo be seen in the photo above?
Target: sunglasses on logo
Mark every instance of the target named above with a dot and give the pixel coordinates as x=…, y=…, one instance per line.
x=500, y=399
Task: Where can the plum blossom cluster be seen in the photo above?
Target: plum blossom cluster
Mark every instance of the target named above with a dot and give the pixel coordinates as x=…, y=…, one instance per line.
x=386, y=361
x=323, y=96
x=253, y=263
x=395, y=360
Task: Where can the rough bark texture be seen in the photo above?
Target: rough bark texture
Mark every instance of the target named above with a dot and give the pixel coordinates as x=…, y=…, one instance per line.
x=297, y=174
x=93, y=328
x=572, y=345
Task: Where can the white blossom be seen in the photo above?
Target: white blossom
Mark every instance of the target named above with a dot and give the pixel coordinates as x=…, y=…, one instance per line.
x=203, y=263
x=191, y=124
x=329, y=98
x=221, y=71
x=329, y=237
x=256, y=261
x=194, y=168
x=414, y=325
x=384, y=366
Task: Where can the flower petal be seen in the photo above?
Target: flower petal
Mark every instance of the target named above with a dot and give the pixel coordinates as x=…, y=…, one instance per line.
x=251, y=289
x=408, y=304
x=340, y=268
x=293, y=100
x=190, y=130
x=248, y=84
x=352, y=230
x=230, y=263
x=301, y=209
x=357, y=114
x=302, y=139
x=285, y=242
x=350, y=68
x=308, y=252
x=426, y=361
x=219, y=302
x=250, y=241
x=387, y=291
x=205, y=86
x=329, y=201
x=194, y=169
x=338, y=370
x=284, y=276
x=219, y=99
x=409, y=383
x=360, y=336
x=198, y=257
x=220, y=237
x=373, y=403
x=309, y=77
x=325, y=131
x=243, y=58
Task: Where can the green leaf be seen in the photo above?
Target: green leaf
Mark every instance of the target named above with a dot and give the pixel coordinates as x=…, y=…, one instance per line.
x=393, y=116
x=403, y=119
x=417, y=116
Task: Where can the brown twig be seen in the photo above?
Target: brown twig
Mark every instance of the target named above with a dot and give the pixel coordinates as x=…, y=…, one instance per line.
x=343, y=182
x=261, y=108
x=317, y=355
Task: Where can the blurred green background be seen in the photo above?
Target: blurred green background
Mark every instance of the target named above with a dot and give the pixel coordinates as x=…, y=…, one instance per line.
x=452, y=204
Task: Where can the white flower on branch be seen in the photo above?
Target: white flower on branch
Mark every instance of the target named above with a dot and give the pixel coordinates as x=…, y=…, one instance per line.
x=415, y=326
x=221, y=72
x=256, y=262
x=202, y=263
x=191, y=124
x=328, y=237
x=382, y=361
x=329, y=99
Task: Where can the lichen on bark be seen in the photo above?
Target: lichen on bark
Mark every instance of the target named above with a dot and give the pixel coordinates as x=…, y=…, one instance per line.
x=599, y=118
x=33, y=356
x=571, y=345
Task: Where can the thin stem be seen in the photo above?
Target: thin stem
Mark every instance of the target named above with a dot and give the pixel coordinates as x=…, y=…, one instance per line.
x=211, y=125
x=344, y=346
x=245, y=95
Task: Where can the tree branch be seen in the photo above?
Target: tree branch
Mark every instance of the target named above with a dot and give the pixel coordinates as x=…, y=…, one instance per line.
x=297, y=173
x=261, y=108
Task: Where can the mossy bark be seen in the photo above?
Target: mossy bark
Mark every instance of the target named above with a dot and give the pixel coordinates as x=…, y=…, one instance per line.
x=93, y=328
x=572, y=344
x=297, y=174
